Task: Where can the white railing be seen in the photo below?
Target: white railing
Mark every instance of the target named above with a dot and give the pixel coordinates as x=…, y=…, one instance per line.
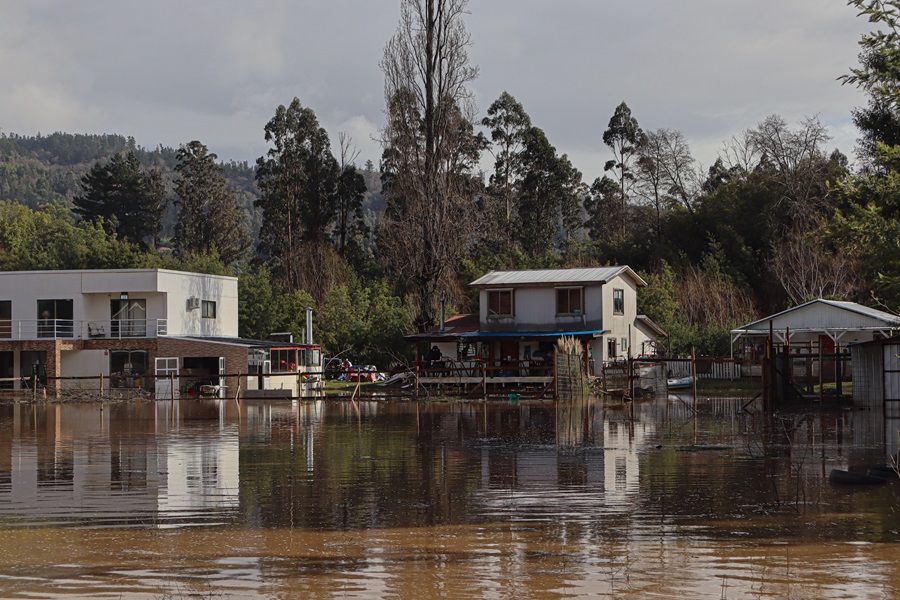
x=63, y=329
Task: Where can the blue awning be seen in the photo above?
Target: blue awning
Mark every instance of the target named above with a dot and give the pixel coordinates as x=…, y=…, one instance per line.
x=533, y=334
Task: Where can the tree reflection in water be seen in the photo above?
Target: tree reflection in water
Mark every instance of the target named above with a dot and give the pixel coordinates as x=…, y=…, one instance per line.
x=320, y=499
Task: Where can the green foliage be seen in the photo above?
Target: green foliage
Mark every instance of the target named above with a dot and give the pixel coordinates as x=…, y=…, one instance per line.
x=121, y=195
x=48, y=239
x=871, y=233
x=659, y=300
x=209, y=218
x=550, y=196
x=298, y=178
x=364, y=323
x=195, y=262
x=257, y=305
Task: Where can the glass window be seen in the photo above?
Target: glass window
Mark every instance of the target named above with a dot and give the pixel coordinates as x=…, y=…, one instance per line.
x=5, y=318
x=7, y=370
x=611, y=347
x=500, y=303
x=569, y=301
x=33, y=362
x=208, y=309
x=55, y=318
x=284, y=360
x=129, y=318
x=618, y=302
x=128, y=367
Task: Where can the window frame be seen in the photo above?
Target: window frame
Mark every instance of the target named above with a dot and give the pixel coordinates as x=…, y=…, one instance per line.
x=567, y=290
x=6, y=319
x=512, y=303
x=205, y=305
x=618, y=301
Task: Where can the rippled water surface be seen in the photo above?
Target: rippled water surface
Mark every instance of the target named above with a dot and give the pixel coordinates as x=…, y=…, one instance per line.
x=333, y=499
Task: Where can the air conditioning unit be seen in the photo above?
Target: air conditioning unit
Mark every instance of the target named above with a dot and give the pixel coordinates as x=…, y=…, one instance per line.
x=193, y=303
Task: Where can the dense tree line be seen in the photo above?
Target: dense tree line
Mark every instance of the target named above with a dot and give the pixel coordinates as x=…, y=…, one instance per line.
x=777, y=220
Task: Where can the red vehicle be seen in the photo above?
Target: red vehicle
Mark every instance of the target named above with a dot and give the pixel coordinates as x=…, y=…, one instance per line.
x=363, y=373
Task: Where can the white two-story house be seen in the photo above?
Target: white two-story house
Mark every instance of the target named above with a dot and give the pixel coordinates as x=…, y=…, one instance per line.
x=523, y=313
x=139, y=328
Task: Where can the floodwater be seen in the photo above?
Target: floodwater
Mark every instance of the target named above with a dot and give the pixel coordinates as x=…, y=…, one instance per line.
x=333, y=499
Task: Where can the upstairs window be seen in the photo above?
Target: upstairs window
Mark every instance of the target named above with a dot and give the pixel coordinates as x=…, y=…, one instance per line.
x=500, y=303
x=208, y=309
x=55, y=318
x=569, y=301
x=618, y=302
x=5, y=318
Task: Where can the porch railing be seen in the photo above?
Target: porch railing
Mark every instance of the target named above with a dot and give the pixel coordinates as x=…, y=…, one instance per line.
x=487, y=368
x=62, y=329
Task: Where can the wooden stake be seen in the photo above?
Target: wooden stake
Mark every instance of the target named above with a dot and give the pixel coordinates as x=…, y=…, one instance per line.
x=694, y=378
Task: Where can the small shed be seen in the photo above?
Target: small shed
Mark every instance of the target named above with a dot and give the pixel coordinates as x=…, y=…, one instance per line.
x=826, y=324
x=876, y=374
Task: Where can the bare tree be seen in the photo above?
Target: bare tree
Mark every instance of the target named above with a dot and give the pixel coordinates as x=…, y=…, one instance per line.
x=351, y=190
x=667, y=173
x=430, y=150
x=800, y=164
x=808, y=270
x=711, y=298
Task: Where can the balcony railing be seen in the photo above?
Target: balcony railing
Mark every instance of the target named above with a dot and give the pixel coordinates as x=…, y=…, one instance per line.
x=62, y=329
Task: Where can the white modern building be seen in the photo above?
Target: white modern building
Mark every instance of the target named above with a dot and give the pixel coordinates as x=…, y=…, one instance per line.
x=139, y=328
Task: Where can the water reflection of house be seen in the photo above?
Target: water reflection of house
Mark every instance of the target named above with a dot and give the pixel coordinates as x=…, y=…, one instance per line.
x=65, y=461
x=138, y=328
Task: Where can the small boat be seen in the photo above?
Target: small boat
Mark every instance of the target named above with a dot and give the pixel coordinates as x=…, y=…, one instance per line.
x=849, y=477
x=680, y=382
x=883, y=471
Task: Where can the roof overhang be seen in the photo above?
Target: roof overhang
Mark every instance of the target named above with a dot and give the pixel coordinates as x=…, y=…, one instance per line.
x=487, y=335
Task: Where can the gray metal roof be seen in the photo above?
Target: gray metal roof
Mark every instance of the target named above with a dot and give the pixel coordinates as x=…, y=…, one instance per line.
x=887, y=318
x=555, y=276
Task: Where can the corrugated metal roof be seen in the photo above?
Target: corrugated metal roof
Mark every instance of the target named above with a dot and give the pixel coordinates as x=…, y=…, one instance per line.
x=873, y=313
x=555, y=276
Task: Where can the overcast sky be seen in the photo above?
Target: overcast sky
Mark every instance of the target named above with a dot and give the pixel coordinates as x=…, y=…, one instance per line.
x=170, y=72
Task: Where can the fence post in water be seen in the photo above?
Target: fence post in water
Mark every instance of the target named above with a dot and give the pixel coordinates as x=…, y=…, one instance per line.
x=34, y=382
x=172, y=386
x=556, y=375
x=417, y=379
x=821, y=374
x=101, y=384
x=484, y=380
x=694, y=382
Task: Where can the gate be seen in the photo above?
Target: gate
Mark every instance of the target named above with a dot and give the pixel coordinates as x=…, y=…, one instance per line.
x=166, y=371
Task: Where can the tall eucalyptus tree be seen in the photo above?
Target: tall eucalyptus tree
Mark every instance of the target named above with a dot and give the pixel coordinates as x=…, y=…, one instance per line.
x=430, y=151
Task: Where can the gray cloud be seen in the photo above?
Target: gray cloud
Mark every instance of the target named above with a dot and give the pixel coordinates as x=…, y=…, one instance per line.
x=168, y=72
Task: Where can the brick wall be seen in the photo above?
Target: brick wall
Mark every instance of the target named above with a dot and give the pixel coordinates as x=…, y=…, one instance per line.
x=235, y=356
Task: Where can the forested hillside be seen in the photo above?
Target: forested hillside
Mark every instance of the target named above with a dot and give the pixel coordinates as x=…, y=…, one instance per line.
x=47, y=169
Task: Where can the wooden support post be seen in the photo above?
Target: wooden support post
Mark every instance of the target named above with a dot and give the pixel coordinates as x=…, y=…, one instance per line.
x=821, y=374
x=417, y=379
x=34, y=382
x=694, y=382
x=172, y=386
x=101, y=384
x=484, y=380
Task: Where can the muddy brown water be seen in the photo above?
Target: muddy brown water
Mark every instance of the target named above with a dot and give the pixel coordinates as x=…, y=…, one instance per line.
x=332, y=499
